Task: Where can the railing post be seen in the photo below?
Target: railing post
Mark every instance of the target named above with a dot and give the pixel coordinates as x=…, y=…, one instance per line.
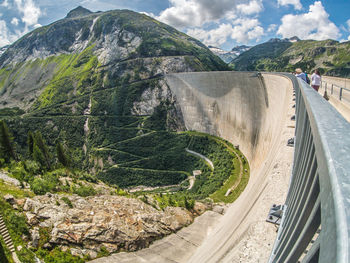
x=332, y=90
x=341, y=93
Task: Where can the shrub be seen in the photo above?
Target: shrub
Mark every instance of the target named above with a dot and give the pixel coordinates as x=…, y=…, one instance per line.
x=87, y=177
x=40, y=186
x=103, y=252
x=32, y=167
x=58, y=256
x=18, y=171
x=67, y=201
x=84, y=190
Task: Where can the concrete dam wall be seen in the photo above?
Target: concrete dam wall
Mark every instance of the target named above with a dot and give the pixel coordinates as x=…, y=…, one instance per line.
x=242, y=107
x=252, y=111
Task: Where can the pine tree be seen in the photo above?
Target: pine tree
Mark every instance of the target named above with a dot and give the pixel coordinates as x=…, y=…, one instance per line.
x=61, y=155
x=30, y=142
x=38, y=156
x=40, y=143
x=6, y=143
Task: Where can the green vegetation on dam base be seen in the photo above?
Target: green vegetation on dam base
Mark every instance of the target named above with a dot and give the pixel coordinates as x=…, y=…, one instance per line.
x=149, y=158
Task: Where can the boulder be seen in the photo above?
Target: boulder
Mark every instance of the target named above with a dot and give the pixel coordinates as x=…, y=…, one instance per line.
x=112, y=222
x=35, y=236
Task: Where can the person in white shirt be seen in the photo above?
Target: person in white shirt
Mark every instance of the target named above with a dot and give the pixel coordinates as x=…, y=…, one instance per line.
x=316, y=80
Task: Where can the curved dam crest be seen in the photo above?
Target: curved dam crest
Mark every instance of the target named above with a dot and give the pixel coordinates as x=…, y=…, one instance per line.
x=249, y=110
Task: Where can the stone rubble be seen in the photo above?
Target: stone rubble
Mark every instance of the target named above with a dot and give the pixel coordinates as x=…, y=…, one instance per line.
x=113, y=222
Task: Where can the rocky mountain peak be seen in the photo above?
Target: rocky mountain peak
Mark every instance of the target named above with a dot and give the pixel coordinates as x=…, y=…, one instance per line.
x=241, y=48
x=279, y=40
x=294, y=39
x=78, y=12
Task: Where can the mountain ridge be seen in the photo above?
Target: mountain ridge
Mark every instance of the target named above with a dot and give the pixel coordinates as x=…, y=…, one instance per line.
x=228, y=56
x=329, y=56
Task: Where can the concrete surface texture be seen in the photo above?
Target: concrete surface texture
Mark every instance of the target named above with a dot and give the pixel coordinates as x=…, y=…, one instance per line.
x=343, y=105
x=341, y=82
x=251, y=111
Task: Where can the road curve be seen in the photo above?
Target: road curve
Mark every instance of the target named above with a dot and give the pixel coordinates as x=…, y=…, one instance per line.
x=201, y=156
x=250, y=111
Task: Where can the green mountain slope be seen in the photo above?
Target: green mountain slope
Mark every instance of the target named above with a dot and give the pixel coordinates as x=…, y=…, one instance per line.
x=94, y=82
x=331, y=57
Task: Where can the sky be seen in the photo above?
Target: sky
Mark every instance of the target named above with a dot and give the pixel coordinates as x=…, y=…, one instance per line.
x=219, y=23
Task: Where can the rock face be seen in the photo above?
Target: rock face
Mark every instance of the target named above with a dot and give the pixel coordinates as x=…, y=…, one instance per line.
x=151, y=98
x=113, y=222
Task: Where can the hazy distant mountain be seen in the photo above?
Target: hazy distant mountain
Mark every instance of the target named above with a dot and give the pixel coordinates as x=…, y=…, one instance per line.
x=240, y=49
x=279, y=40
x=228, y=56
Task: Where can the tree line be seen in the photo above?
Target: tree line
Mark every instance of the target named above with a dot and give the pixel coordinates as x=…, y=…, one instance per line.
x=37, y=149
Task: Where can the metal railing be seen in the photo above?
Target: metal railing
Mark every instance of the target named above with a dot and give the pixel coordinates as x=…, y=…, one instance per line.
x=315, y=226
x=341, y=93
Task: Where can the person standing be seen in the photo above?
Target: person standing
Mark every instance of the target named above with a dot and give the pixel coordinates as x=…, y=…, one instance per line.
x=316, y=80
x=300, y=74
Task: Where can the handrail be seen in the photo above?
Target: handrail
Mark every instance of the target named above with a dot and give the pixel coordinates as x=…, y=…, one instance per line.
x=332, y=88
x=315, y=226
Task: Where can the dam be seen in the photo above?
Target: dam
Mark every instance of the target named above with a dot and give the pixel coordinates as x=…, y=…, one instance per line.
x=255, y=111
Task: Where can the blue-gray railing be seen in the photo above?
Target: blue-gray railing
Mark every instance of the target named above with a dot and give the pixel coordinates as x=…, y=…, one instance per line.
x=315, y=226
x=340, y=93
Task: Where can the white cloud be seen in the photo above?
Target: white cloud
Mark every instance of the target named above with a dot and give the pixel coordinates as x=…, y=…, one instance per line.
x=29, y=10
x=148, y=14
x=296, y=3
x=195, y=13
x=15, y=21
x=348, y=24
x=312, y=25
x=231, y=19
x=241, y=31
x=214, y=37
x=5, y=3
x=3, y=34
x=29, y=13
x=253, y=7
x=272, y=28
x=6, y=37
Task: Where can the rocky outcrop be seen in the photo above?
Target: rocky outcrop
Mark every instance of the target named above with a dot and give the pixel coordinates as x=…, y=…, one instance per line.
x=114, y=222
x=151, y=98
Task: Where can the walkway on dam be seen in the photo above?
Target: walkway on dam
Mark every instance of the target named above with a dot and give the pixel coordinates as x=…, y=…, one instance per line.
x=254, y=113
x=338, y=92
